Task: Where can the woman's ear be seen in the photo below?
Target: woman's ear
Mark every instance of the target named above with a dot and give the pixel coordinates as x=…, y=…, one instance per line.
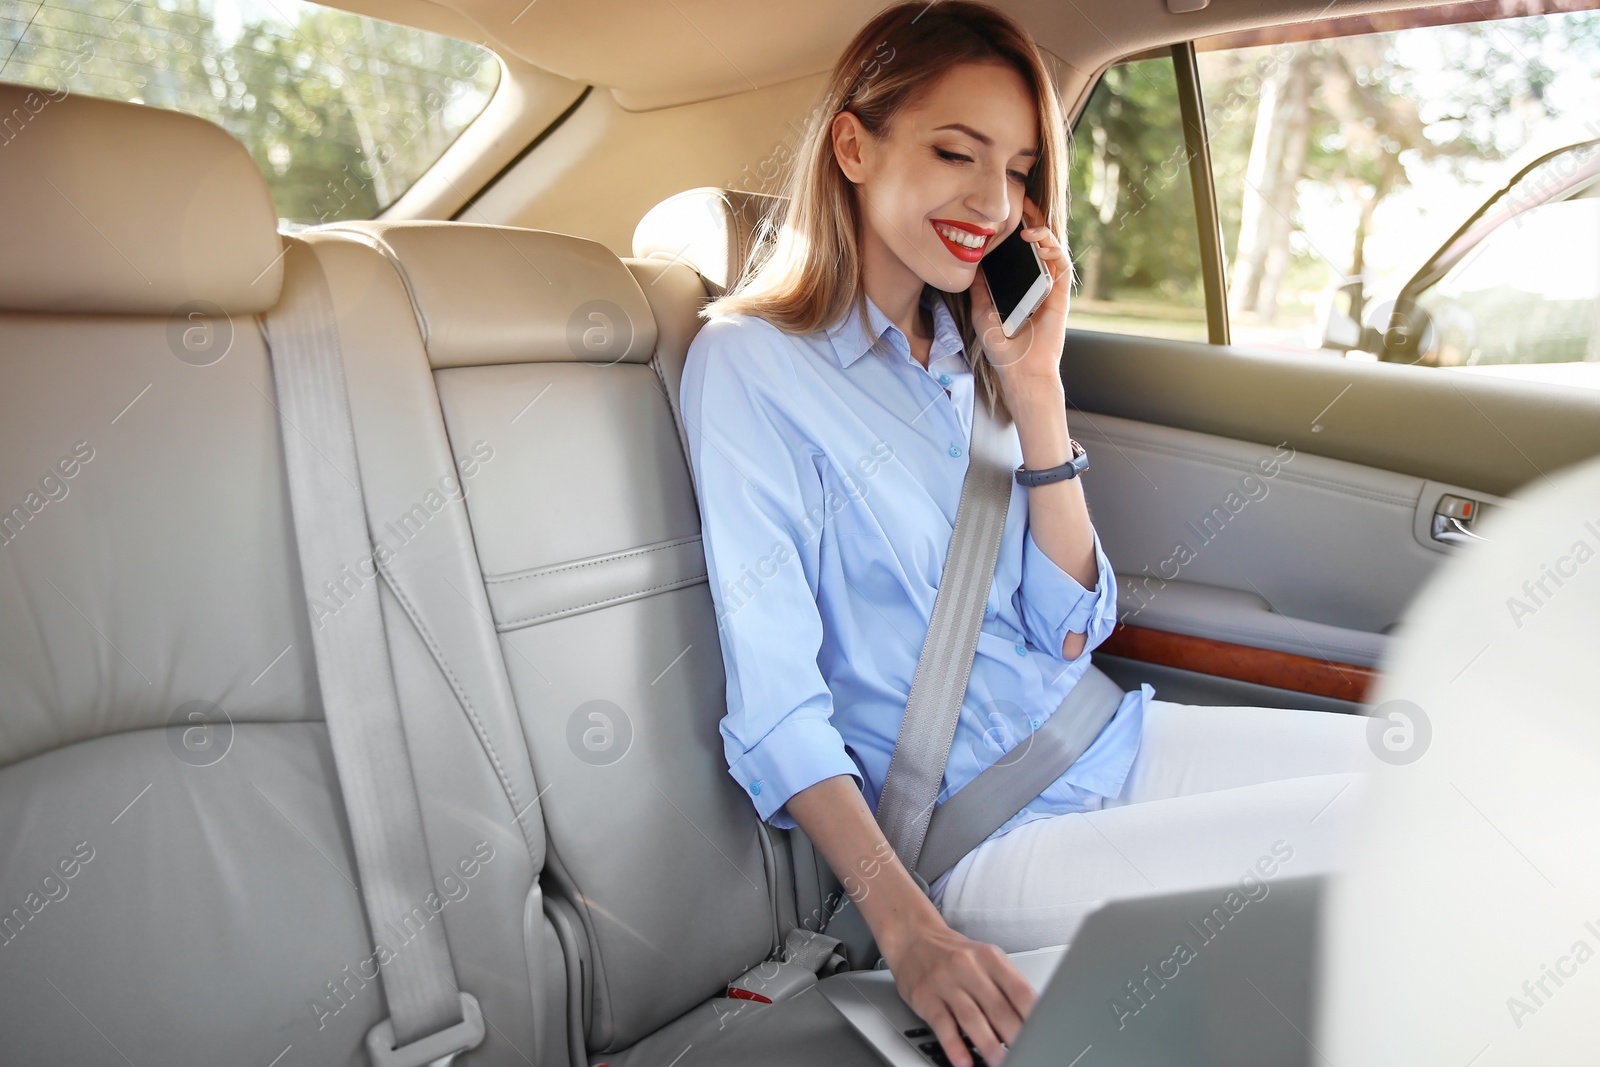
x=850, y=146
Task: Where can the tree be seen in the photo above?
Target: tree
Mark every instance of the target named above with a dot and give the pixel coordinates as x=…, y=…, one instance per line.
x=1353, y=112
x=1130, y=188
x=341, y=113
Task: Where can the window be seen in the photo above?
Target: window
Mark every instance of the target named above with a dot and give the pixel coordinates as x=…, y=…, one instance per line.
x=1523, y=284
x=1368, y=142
x=342, y=113
x=1355, y=162
x=1132, y=230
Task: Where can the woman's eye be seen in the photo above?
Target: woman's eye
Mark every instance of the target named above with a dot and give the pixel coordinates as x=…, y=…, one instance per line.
x=1021, y=177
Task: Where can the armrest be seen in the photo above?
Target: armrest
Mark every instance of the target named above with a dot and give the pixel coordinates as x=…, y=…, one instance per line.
x=1240, y=617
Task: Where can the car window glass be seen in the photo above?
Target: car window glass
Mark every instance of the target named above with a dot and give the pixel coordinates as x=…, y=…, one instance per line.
x=1351, y=151
x=1132, y=230
x=1529, y=292
x=342, y=113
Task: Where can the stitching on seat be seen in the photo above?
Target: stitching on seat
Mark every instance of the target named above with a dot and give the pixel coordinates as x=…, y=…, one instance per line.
x=666, y=394
x=461, y=696
x=380, y=245
x=655, y=364
x=675, y=583
x=548, y=572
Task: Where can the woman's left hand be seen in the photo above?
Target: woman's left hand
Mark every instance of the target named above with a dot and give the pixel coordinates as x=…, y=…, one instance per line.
x=1033, y=357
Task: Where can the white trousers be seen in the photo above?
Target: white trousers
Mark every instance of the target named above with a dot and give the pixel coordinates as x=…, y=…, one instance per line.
x=1213, y=793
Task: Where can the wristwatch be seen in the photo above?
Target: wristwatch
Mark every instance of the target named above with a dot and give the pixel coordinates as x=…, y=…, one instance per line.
x=1070, y=469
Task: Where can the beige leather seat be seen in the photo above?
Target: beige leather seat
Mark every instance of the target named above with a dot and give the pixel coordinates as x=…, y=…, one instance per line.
x=176, y=879
x=556, y=358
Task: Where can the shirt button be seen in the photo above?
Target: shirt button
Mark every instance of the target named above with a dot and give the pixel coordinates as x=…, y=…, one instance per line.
x=1021, y=650
x=988, y=612
x=1035, y=723
x=944, y=379
x=955, y=450
x=755, y=788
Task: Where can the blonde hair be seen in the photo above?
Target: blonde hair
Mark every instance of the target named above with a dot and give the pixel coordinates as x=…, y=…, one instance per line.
x=807, y=265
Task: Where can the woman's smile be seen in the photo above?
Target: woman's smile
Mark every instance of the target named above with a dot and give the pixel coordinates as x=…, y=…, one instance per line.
x=964, y=240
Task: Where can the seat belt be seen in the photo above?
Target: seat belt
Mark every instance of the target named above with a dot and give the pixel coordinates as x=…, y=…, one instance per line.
x=430, y=1019
x=1006, y=786
x=929, y=839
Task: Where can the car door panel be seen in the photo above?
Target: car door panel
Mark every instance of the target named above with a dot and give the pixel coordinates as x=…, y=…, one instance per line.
x=1251, y=562
x=1268, y=513
x=1428, y=422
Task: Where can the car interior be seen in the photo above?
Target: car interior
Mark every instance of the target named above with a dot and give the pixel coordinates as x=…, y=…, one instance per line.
x=510, y=319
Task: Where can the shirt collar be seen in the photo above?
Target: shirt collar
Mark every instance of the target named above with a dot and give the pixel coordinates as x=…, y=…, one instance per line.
x=851, y=342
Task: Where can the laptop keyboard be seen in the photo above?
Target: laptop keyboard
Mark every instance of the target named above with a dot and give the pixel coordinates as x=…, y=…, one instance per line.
x=930, y=1047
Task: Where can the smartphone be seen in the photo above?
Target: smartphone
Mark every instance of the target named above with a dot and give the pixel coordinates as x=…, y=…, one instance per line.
x=1018, y=280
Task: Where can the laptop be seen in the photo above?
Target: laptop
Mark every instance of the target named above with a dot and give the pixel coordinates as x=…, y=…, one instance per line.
x=1205, y=977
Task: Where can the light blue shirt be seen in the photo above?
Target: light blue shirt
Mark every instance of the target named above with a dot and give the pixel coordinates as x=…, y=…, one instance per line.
x=829, y=466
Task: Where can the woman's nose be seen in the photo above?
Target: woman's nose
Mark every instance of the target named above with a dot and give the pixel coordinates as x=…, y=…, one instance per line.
x=992, y=200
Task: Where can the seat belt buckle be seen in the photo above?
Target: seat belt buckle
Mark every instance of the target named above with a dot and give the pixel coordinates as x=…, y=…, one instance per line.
x=771, y=981
x=434, y=1050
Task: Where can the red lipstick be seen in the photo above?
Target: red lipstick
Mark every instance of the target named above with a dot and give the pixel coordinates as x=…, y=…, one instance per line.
x=960, y=251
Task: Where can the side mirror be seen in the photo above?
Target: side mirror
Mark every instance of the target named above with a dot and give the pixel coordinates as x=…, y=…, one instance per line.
x=1341, y=330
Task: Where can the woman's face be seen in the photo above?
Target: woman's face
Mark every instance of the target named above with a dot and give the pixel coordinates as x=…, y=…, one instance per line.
x=947, y=181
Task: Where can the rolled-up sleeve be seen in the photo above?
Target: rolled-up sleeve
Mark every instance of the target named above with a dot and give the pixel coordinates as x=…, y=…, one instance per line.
x=761, y=505
x=1054, y=603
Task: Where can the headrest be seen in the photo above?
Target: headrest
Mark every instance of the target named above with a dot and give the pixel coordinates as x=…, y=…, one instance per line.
x=498, y=294
x=713, y=230
x=124, y=209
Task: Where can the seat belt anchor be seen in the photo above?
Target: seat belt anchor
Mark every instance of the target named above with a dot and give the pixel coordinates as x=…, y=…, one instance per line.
x=436, y=1049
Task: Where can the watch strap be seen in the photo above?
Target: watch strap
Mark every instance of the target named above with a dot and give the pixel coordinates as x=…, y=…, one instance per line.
x=1070, y=469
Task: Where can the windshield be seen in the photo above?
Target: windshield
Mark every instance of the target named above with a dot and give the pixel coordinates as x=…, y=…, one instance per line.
x=342, y=113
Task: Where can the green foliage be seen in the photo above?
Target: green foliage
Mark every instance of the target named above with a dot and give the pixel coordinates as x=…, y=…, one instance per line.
x=1132, y=224
x=1379, y=105
x=341, y=113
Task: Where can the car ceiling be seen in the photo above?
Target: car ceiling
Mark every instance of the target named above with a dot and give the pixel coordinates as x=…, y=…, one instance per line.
x=660, y=53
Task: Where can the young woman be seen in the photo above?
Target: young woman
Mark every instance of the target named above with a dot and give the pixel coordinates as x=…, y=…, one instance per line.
x=829, y=404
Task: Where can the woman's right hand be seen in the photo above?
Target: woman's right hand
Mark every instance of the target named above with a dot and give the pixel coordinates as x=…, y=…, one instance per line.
x=952, y=981
x=947, y=978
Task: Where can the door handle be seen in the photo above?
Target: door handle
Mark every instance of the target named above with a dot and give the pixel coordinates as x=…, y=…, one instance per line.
x=1453, y=519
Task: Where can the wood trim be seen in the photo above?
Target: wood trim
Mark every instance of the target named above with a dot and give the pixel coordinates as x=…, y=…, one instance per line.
x=1245, y=663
